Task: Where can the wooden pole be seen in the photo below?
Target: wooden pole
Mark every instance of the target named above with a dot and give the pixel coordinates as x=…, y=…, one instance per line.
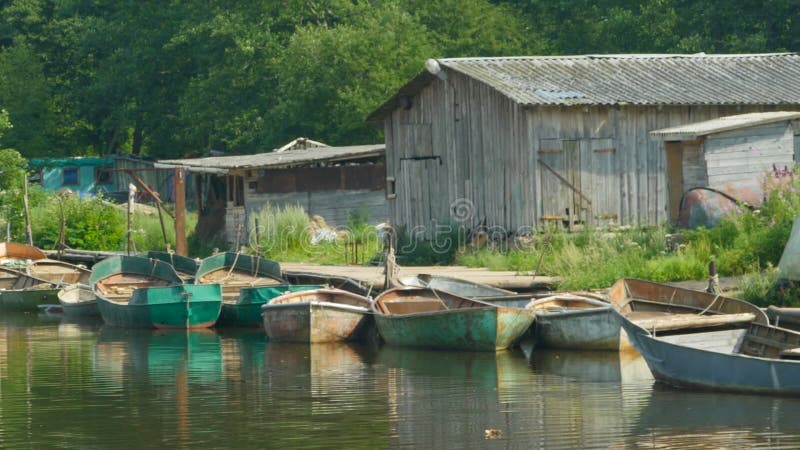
x=163, y=228
x=179, y=182
x=28, y=231
x=131, y=198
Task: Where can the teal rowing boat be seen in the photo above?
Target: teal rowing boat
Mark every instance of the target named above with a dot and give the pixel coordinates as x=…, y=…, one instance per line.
x=428, y=318
x=138, y=292
x=22, y=292
x=246, y=312
x=236, y=272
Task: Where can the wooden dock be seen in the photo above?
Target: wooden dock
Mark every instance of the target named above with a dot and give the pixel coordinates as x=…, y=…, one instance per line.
x=374, y=275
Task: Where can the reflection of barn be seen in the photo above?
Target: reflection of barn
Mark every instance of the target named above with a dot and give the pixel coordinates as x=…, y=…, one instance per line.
x=729, y=155
x=523, y=141
x=327, y=181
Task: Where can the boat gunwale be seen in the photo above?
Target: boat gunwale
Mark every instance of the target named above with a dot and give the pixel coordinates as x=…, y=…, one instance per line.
x=315, y=304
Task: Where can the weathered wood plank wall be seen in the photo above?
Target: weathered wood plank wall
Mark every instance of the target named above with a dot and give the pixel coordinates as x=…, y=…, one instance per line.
x=748, y=152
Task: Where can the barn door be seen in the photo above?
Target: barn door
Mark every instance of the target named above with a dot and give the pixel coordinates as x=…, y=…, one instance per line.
x=560, y=178
x=417, y=191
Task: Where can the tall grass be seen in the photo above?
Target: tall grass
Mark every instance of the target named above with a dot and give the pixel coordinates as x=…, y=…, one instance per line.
x=288, y=234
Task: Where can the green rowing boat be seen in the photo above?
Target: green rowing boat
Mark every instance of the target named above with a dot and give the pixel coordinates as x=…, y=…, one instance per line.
x=138, y=292
x=420, y=317
x=237, y=272
x=22, y=292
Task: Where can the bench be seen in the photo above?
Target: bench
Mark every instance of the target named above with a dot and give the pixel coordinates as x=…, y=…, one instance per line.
x=413, y=306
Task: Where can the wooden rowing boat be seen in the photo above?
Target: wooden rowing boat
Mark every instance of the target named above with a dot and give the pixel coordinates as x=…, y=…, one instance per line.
x=58, y=272
x=22, y=292
x=573, y=321
x=139, y=292
x=428, y=318
x=784, y=317
x=662, y=308
x=334, y=281
x=749, y=357
x=246, y=311
x=18, y=256
x=78, y=300
x=319, y=315
x=468, y=289
x=234, y=272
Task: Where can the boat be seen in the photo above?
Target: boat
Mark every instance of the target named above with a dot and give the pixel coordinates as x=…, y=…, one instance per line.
x=184, y=265
x=234, y=272
x=334, y=281
x=246, y=310
x=78, y=300
x=18, y=255
x=319, y=315
x=468, y=289
x=22, y=292
x=751, y=357
x=662, y=308
x=784, y=317
x=58, y=272
x=456, y=286
x=573, y=321
x=423, y=317
x=139, y=292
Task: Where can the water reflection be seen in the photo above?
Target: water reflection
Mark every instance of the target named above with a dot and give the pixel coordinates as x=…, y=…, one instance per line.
x=592, y=366
x=680, y=418
x=88, y=386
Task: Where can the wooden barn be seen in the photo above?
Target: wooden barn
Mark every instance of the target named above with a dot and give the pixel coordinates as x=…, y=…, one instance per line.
x=730, y=154
x=521, y=141
x=330, y=182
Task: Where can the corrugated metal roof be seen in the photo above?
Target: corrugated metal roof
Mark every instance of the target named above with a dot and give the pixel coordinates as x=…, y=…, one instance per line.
x=694, y=130
x=276, y=159
x=698, y=79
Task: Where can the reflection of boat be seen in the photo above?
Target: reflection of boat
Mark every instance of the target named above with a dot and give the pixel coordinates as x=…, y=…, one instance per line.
x=156, y=356
x=575, y=322
x=138, y=292
x=235, y=271
x=689, y=414
x=667, y=309
x=22, y=292
x=58, y=272
x=185, y=266
x=440, y=320
x=748, y=358
x=78, y=300
x=334, y=281
x=320, y=315
x=246, y=311
x=591, y=366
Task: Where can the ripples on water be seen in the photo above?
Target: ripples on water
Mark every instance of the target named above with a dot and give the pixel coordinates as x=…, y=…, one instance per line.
x=89, y=386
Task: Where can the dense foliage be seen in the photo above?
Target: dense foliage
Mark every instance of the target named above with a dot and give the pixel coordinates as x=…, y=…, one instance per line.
x=170, y=78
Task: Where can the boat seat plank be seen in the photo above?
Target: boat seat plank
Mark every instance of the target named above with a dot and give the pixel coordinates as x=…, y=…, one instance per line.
x=688, y=321
x=413, y=306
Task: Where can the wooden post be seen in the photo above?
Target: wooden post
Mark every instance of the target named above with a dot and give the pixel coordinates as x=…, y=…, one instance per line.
x=28, y=231
x=131, y=199
x=163, y=228
x=179, y=182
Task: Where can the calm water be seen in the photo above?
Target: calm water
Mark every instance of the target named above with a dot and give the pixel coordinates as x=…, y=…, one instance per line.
x=89, y=386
